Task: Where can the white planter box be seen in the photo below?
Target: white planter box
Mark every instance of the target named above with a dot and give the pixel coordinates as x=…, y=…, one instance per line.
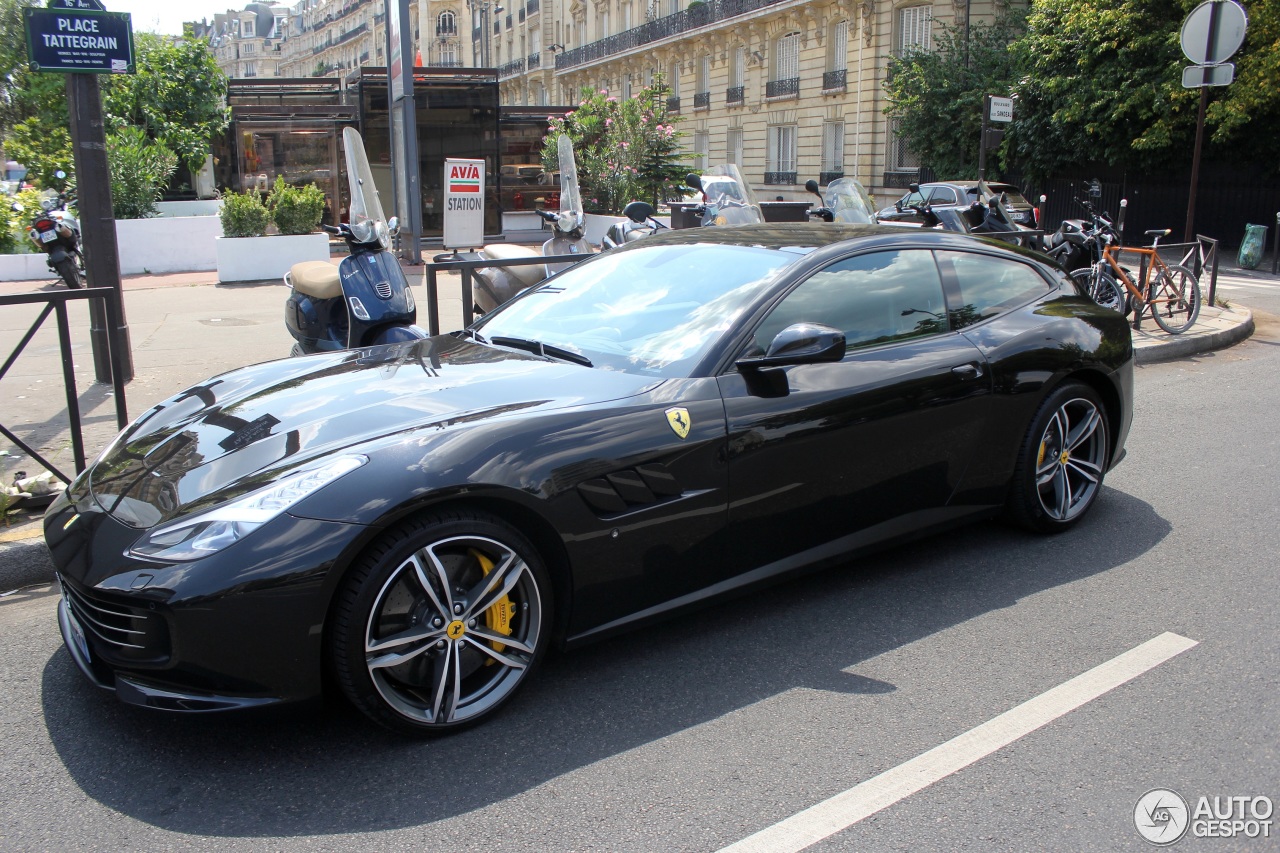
x=263, y=258
x=199, y=207
x=25, y=268
x=167, y=244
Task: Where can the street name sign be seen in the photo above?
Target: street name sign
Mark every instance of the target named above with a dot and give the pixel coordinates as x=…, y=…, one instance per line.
x=463, y=204
x=79, y=41
x=1001, y=109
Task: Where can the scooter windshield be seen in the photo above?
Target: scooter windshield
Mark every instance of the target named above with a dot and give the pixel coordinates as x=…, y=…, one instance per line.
x=849, y=202
x=570, y=195
x=730, y=200
x=367, y=222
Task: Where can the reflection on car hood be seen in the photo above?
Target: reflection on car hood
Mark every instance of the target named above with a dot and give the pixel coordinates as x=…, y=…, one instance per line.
x=243, y=429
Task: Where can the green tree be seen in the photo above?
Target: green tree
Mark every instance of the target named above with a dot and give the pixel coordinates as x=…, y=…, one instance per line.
x=625, y=149
x=1246, y=113
x=140, y=169
x=178, y=95
x=937, y=95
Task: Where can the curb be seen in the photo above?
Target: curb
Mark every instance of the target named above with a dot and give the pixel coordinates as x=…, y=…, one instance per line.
x=1179, y=347
x=24, y=563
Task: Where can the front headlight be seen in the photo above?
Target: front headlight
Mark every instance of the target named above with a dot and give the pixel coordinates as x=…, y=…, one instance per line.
x=196, y=536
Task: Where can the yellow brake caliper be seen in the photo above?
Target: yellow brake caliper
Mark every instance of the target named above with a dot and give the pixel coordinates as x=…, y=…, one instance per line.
x=498, y=616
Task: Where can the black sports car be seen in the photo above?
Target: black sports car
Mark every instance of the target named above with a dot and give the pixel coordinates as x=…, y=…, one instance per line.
x=700, y=412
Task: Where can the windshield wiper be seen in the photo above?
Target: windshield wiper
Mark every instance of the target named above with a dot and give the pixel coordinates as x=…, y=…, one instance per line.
x=473, y=335
x=545, y=350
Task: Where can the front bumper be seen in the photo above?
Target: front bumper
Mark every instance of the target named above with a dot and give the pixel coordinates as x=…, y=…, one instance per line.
x=240, y=628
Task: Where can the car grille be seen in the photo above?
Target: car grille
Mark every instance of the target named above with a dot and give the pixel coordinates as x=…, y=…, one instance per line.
x=383, y=289
x=119, y=632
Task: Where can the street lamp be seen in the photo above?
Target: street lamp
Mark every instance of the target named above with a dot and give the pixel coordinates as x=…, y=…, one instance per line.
x=483, y=8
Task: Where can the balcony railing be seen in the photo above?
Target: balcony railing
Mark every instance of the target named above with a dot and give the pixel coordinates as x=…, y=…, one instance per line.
x=735, y=94
x=350, y=34
x=825, y=178
x=702, y=100
x=446, y=30
x=535, y=61
x=660, y=28
x=673, y=104
x=531, y=6
x=508, y=69
x=779, y=178
x=834, y=81
x=789, y=88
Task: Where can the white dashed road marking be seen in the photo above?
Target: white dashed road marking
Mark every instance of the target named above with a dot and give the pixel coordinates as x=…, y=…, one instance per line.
x=844, y=810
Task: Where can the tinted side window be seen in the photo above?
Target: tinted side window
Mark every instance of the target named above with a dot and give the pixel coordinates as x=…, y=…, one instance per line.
x=942, y=195
x=989, y=285
x=878, y=298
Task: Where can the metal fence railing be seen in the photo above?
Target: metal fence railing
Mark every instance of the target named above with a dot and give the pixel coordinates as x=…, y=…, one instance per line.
x=446, y=263
x=55, y=303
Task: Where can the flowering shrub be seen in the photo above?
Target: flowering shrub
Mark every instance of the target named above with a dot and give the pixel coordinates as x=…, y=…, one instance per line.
x=625, y=149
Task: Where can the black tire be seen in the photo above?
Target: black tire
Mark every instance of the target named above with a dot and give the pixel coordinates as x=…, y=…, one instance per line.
x=70, y=274
x=425, y=657
x=1175, y=299
x=1102, y=288
x=1062, y=461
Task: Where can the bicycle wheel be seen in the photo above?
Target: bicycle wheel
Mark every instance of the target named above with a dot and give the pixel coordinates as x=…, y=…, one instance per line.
x=1101, y=287
x=1175, y=299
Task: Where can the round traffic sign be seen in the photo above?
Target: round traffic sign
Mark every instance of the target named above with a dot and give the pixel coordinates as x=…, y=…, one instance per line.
x=1228, y=32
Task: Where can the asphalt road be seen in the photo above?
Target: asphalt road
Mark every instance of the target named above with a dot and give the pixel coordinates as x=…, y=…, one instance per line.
x=696, y=734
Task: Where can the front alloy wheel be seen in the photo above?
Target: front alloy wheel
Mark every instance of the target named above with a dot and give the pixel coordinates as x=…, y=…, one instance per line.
x=441, y=624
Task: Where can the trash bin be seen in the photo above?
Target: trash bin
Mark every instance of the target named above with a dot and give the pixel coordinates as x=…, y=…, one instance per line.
x=1252, y=246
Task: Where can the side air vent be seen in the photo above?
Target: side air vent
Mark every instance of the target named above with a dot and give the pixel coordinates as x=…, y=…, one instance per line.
x=630, y=488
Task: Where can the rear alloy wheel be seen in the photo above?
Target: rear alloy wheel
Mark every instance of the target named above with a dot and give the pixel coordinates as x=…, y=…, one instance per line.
x=69, y=272
x=1062, y=461
x=441, y=622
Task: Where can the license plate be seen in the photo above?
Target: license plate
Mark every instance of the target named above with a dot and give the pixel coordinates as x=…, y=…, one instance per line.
x=77, y=633
x=48, y=236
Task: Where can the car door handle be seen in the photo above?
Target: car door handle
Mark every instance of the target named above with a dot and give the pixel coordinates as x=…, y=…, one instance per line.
x=967, y=371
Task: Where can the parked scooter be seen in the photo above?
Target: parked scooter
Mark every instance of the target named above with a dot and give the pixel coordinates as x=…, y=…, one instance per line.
x=640, y=223
x=56, y=232
x=366, y=300
x=496, y=285
x=845, y=200
x=726, y=198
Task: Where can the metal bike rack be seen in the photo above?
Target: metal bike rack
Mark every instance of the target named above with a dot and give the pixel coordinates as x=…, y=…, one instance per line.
x=466, y=267
x=56, y=303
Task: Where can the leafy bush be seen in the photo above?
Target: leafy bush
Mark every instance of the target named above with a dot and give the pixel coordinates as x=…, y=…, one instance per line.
x=296, y=210
x=140, y=170
x=14, y=240
x=244, y=215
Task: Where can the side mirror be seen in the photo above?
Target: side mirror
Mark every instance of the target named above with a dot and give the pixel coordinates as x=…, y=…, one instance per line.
x=913, y=187
x=17, y=207
x=59, y=174
x=393, y=226
x=812, y=186
x=638, y=211
x=800, y=343
x=694, y=180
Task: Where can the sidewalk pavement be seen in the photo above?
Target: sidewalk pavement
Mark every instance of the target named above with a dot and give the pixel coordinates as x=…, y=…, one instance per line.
x=185, y=327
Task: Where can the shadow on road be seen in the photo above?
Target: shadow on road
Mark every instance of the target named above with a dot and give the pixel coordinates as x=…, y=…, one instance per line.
x=323, y=770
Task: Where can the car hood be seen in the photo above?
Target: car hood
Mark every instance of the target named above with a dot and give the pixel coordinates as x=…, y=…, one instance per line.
x=244, y=429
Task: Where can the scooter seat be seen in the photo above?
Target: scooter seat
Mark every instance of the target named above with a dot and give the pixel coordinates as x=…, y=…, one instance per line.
x=528, y=274
x=317, y=279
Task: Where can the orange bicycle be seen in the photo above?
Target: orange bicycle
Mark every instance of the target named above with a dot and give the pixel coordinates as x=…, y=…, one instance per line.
x=1171, y=291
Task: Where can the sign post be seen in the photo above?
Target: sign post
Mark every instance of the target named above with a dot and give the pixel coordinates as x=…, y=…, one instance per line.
x=1211, y=35
x=79, y=39
x=404, y=129
x=463, y=204
x=998, y=110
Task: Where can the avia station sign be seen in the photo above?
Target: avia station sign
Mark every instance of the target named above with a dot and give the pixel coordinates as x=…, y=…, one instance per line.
x=79, y=41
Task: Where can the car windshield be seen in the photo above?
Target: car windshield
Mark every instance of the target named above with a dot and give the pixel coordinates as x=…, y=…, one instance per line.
x=655, y=310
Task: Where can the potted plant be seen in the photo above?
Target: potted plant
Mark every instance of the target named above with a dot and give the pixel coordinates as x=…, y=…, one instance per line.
x=245, y=253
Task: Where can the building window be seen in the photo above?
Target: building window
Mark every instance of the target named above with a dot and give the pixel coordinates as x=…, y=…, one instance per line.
x=834, y=78
x=780, y=160
x=733, y=146
x=900, y=157
x=446, y=24
x=449, y=54
x=915, y=28
x=605, y=32
x=627, y=23
x=786, y=68
x=702, y=84
x=832, y=151
x=626, y=88
x=701, y=149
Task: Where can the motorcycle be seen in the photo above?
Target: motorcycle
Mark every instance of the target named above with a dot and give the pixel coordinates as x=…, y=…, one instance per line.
x=56, y=232
x=496, y=285
x=845, y=200
x=1078, y=247
x=365, y=300
x=640, y=223
x=726, y=198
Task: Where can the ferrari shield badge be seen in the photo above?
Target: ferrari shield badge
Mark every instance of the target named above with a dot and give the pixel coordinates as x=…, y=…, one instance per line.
x=678, y=418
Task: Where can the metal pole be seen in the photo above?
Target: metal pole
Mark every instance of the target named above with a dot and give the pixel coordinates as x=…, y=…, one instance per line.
x=97, y=223
x=1275, y=248
x=982, y=142
x=1214, y=11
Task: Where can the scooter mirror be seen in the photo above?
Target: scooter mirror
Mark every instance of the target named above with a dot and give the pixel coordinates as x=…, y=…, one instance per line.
x=692, y=179
x=638, y=211
x=393, y=226
x=812, y=186
x=59, y=174
x=17, y=207
x=913, y=187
